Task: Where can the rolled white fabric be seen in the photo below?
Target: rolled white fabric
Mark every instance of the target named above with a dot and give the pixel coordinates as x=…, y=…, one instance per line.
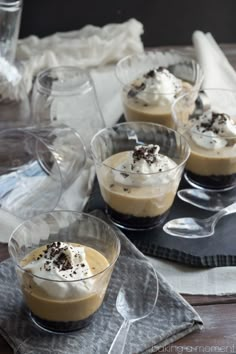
x=218, y=72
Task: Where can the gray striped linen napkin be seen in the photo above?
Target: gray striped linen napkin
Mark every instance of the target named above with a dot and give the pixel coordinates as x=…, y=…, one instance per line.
x=172, y=318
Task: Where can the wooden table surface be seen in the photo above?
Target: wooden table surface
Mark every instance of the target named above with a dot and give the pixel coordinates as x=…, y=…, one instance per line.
x=217, y=312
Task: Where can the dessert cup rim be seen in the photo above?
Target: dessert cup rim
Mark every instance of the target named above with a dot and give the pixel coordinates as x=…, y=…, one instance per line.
x=158, y=51
x=101, y=163
x=186, y=127
x=127, y=87
x=70, y=212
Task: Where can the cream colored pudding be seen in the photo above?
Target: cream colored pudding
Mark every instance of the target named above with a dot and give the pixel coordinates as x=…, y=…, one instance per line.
x=137, y=183
x=149, y=98
x=212, y=139
x=58, y=282
x=212, y=162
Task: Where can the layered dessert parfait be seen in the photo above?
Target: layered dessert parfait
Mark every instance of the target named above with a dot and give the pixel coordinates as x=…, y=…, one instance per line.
x=62, y=286
x=138, y=186
x=150, y=96
x=212, y=139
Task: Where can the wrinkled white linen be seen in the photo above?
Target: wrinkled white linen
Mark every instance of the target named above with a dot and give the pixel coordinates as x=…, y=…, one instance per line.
x=90, y=46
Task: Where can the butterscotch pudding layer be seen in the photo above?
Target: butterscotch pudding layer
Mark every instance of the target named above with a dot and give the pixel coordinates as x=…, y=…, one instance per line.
x=75, y=295
x=136, y=111
x=149, y=98
x=136, y=199
x=213, y=162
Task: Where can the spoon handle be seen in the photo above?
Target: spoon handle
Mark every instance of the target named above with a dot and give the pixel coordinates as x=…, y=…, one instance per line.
x=225, y=211
x=118, y=344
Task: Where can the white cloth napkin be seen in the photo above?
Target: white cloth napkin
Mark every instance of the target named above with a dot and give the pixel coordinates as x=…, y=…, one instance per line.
x=88, y=47
x=218, y=72
x=196, y=280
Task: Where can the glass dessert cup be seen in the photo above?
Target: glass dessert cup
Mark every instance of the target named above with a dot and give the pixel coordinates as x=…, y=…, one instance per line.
x=37, y=164
x=64, y=301
x=147, y=93
x=30, y=175
x=210, y=128
x=135, y=200
x=67, y=146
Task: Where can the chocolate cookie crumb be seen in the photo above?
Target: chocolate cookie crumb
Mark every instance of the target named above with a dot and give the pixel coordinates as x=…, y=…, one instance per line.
x=146, y=152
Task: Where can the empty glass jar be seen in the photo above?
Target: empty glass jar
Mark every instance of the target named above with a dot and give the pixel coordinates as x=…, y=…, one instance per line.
x=67, y=95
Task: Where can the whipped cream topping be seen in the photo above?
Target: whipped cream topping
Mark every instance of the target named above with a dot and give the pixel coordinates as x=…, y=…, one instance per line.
x=211, y=130
x=143, y=165
x=62, y=263
x=158, y=86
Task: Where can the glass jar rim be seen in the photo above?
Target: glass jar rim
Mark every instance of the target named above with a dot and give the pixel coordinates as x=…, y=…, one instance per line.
x=79, y=88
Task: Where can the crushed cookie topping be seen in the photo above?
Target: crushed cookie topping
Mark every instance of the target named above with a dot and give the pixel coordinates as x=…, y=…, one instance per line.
x=146, y=152
x=125, y=175
x=156, y=86
x=212, y=130
x=64, y=258
x=58, y=257
x=151, y=73
x=136, y=88
x=215, y=123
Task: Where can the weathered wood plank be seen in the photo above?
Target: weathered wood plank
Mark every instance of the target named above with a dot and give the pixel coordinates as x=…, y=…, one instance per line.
x=217, y=336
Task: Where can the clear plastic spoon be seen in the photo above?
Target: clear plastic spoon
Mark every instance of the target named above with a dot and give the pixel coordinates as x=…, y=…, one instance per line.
x=197, y=228
x=136, y=299
x=208, y=200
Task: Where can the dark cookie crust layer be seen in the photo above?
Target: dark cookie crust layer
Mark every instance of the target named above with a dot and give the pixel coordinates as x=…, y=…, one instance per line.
x=62, y=327
x=213, y=182
x=134, y=222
